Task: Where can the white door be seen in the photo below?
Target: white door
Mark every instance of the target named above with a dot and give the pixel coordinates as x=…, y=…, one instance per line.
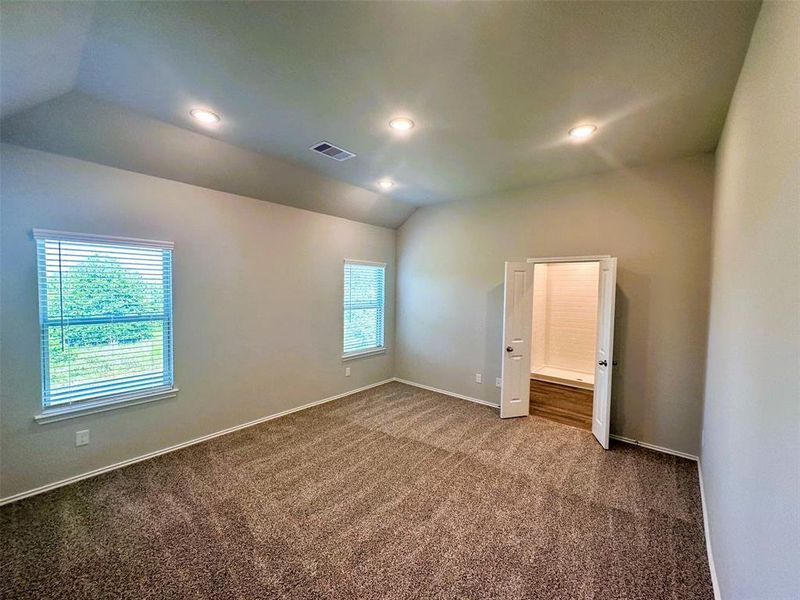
x=517, y=323
x=601, y=409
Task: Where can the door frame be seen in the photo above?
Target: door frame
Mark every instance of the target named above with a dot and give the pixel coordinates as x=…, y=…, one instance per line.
x=562, y=259
x=570, y=259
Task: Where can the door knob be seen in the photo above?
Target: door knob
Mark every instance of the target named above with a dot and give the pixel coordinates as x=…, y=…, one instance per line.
x=509, y=349
x=603, y=363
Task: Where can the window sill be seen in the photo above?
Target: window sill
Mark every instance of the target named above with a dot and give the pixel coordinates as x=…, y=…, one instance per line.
x=364, y=353
x=88, y=407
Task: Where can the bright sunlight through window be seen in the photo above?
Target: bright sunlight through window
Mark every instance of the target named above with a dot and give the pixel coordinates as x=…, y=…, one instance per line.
x=363, y=307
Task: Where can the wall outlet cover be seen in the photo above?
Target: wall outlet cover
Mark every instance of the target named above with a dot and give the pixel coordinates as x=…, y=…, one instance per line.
x=82, y=437
x=347, y=371
x=478, y=378
x=498, y=382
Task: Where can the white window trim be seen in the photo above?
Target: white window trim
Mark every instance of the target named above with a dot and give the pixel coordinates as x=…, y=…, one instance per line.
x=369, y=351
x=364, y=353
x=69, y=236
x=88, y=407
x=371, y=263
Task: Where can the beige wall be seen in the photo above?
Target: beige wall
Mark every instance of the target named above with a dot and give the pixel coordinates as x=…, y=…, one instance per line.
x=258, y=296
x=655, y=219
x=570, y=319
x=751, y=450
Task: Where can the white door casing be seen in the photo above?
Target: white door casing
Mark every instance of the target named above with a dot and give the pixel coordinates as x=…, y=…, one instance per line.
x=604, y=355
x=517, y=322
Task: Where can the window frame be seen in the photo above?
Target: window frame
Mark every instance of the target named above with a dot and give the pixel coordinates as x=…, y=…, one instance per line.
x=372, y=350
x=51, y=412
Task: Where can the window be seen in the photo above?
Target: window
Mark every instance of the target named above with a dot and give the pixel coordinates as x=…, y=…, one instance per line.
x=363, y=307
x=105, y=314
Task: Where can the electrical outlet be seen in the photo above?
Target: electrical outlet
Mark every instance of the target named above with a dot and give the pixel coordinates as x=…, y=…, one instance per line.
x=478, y=378
x=498, y=382
x=347, y=371
x=82, y=438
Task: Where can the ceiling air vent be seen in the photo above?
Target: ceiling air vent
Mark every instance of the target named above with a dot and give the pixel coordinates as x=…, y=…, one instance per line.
x=332, y=151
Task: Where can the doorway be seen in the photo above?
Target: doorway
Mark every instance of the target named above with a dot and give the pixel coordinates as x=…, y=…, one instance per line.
x=564, y=335
x=558, y=326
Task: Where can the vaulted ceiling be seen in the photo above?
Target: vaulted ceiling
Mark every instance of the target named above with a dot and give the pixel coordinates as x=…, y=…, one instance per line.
x=493, y=88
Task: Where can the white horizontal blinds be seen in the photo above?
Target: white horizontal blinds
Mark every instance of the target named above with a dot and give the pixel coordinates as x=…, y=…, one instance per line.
x=105, y=313
x=363, y=306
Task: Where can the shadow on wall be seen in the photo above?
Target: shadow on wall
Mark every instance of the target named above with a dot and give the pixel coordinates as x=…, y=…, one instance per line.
x=631, y=372
x=493, y=352
x=618, y=373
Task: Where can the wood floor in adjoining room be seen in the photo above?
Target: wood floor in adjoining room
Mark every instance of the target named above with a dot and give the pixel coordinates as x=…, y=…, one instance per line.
x=395, y=492
x=562, y=403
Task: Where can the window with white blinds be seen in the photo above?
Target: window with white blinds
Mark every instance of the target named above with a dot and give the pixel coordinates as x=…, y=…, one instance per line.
x=105, y=313
x=364, y=294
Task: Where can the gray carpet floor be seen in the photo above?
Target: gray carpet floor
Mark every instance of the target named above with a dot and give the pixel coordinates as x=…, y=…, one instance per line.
x=395, y=492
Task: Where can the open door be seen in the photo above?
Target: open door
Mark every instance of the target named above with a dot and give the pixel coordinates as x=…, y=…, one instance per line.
x=607, y=291
x=517, y=324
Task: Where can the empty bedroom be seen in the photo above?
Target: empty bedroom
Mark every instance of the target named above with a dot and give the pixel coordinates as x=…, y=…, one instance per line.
x=394, y=300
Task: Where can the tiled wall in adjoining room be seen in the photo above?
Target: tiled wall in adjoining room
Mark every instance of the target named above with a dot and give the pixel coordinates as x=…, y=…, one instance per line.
x=565, y=302
x=538, y=356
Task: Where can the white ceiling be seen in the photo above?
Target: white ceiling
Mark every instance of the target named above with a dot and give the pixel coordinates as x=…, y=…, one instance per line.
x=493, y=86
x=79, y=126
x=40, y=50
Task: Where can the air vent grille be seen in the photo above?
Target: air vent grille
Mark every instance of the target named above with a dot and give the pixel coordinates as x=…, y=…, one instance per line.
x=332, y=151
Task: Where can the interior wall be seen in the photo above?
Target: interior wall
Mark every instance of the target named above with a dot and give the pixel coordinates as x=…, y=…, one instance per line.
x=571, y=322
x=257, y=309
x=655, y=219
x=751, y=449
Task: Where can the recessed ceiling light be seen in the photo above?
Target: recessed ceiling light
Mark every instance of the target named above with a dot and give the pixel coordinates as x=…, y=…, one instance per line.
x=386, y=184
x=401, y=123
x=582, y=131
x=204, y=116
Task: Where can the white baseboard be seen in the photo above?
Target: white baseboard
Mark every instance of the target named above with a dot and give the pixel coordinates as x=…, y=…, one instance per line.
x=130, y=461
x=707, y=531
x=628, y=440
x=446, y=393
x=493, y=405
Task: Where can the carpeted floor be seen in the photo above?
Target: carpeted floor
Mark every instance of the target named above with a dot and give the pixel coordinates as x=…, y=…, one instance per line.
x=395, y=492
